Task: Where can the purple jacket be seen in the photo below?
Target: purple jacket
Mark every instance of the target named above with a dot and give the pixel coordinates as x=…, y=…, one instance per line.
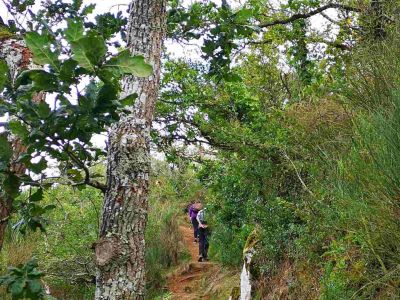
x=192, y=212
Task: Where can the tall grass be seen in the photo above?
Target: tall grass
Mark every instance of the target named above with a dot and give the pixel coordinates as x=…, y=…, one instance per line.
x=364, y=263
x=163, y=244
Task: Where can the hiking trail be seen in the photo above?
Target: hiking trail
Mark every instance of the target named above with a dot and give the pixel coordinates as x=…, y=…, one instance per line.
x=187, y=282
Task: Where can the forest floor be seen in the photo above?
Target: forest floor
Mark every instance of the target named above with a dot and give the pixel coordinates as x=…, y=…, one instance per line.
x=199, y=280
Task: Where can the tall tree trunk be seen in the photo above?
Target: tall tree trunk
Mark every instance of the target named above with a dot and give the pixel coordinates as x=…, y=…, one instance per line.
x=120, y=251
x=17, y=57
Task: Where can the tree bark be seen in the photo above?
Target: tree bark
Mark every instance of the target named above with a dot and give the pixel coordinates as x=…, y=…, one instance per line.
x=18, y=57
x=120, y=251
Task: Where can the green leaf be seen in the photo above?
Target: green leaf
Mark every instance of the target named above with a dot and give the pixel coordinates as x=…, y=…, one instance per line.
x=16, y=270
x=31, y=264
x=5, y=148
x=124, y=63
x=24, y=282
x=129, y=100
x=75, y=175
x=11, y=185
x=89, y=51
x=231, y=77
x=67, y=70
x=17, y=287
x=24, y=158
x=3, y=74
x=107, y=92
x=34, y=286
x=106, y=95
x=39, y=167
x=35, y=273
x=88, y=9
x=74, y=30
x=243, y=15
x=42, y=80
x=76, y=4
x=50, y=207
x=18, y=129
x=37, y=196
x=43, y=110
x=41, y=48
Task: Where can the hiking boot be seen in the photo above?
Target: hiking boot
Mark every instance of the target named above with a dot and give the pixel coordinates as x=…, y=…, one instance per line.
x=200, y=259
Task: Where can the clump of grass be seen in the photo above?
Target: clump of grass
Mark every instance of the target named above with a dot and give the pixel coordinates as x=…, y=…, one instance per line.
x=162, y=243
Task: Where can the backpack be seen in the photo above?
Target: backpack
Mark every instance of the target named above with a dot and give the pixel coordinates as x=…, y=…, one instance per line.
x=202, y=217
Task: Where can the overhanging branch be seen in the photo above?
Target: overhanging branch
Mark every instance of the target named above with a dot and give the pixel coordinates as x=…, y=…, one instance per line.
x=309, y=14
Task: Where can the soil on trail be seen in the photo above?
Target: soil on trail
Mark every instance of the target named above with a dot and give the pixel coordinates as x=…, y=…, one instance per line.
x=187, y=282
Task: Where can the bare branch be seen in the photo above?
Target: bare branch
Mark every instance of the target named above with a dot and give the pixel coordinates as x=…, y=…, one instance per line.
x=84, y=167
x=298, y=174
x=285, y=84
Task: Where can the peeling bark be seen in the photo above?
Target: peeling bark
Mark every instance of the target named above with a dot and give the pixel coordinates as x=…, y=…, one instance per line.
x=120, y=252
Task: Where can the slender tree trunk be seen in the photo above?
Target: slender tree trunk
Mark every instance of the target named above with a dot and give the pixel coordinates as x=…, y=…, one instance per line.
x=120, y=251
x=17, y=57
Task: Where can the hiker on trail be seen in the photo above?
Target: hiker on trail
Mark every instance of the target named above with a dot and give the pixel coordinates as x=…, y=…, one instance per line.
x=203, y=235
x=193, y=211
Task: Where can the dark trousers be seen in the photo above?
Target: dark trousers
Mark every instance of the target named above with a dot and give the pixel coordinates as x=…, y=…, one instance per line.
x=203, y=242
x=195, y=227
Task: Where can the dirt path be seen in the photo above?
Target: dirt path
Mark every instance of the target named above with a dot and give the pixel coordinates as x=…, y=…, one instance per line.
x=186, y=282
x=187, y=233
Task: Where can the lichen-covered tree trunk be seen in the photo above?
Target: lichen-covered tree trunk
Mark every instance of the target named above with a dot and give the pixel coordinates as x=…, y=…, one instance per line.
x=120, y=251
x=18, y=57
